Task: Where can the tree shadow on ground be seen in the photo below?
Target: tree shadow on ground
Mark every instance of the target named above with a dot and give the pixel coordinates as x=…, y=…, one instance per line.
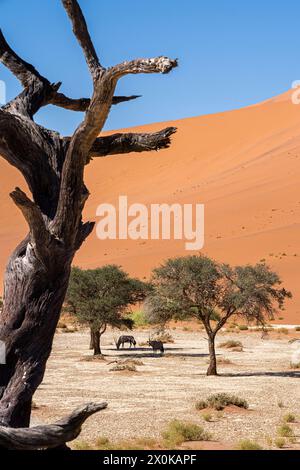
x=147, y=352
x=289, y=373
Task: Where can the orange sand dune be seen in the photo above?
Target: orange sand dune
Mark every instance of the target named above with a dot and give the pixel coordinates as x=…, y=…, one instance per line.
x=244, y=165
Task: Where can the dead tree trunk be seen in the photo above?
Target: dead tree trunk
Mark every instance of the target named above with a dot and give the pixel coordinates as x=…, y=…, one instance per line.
x=38, y=271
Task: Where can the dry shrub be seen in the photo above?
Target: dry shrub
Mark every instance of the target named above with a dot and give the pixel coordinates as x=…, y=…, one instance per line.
x=295, y=365
x=279, y=442
x=224, y=361
x=285, y=431
x=163, y=336
x=289, y=418
x=122, y=367
x=178, y=432
x=246, y=444
x=231, y=344
x=219, y=401
x=127, y=362
x=284, y=331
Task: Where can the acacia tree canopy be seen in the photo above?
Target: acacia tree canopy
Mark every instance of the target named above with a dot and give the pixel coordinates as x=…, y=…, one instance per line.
x=101, y=297
x=212, y=292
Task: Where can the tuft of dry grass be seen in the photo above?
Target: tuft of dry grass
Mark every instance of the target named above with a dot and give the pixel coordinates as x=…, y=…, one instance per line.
x=164, y=337
x=178, y=432
x=122, y=367
x=279, y=442
x=285, y=431
x=219, y=401
x=295, y=365
x=289, y=418
x=232, y=344
x=246, y=444
x=224, y=361
x=284, y=331
x=207, y=417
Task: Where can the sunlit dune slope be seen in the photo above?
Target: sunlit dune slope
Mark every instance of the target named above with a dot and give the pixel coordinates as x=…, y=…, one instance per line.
x=244, y=165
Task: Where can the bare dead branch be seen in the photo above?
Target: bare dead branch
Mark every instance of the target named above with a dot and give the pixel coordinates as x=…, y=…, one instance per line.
x=131, y=142
x=82, y=104
x=160, y=64
x=81, y=32
x=123, y=99
x=49, y=436
x=33, y=217
x=70, y=202
x=24, y=71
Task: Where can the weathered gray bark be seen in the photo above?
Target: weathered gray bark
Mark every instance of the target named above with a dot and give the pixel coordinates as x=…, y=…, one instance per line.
x=38, y=271
x=48, y=436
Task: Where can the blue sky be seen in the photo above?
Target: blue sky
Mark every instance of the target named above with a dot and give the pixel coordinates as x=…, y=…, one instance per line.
x=232, y=53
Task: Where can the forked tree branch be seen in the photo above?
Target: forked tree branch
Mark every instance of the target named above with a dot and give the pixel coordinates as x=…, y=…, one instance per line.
x=70, y=203
x=49, y=436
x=81, y=32
x=33, y=216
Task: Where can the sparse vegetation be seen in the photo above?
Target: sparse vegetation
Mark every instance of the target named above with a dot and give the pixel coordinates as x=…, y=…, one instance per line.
x=82, y=445
x=231, y=344
x=279, y=442
x=285, y=431
x=163, y=336
x=289, y=418
x=178, y=432
x=243, y=327
x=224, y=361
x=295, y=365
x=246, y=444
x=283, y=331
x=103, y=443
x=219, y=401
x=207, y=417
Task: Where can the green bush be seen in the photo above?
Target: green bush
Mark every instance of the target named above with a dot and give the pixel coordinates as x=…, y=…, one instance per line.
x=139, y=318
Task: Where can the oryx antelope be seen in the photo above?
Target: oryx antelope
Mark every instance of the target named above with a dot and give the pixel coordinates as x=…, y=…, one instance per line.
x=126, y=339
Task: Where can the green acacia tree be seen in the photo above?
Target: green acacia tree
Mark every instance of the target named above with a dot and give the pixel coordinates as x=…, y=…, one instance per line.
x=197, y=286
x=101, y=297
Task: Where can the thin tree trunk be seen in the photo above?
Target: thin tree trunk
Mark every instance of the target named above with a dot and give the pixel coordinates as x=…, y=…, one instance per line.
x=91, y=339
x=96, y=342
x=212, y=368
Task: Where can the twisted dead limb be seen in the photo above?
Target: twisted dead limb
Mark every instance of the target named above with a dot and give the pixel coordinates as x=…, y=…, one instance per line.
x=49, y=436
